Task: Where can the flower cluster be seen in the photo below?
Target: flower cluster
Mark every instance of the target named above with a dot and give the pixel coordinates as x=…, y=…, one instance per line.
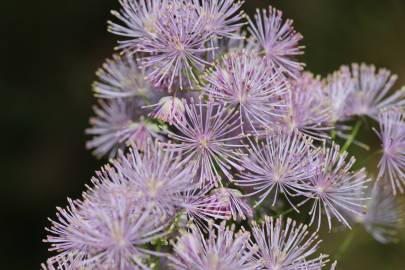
x=214, y=135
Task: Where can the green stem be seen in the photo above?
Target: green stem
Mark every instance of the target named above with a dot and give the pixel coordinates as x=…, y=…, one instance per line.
x=285, y=212
x=352, y=136
x=344, y=246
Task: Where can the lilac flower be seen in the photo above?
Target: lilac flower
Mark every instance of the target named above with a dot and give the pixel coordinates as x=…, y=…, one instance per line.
x=200, y=207
x=339, y=87
x=231, y=201
x=138, y=18
x=286, y=246
x=281, y=164
x=112, y=234
x=371, y=88
x=168, y=109
x=159, y=177
x=223, y=17
x=206, y=140
x=121, y=77
x=278, y=40
x=392, y=136
x=247, y=82
x=223, y=250
x=336, y=191
x=114, y=127
x=175, y=43
x=308, y=109
x=384, y=216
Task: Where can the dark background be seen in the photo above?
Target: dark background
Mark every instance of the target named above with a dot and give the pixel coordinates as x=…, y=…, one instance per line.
x=50, y=51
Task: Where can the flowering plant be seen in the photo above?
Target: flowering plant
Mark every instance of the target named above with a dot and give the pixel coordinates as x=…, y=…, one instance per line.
x=214, y=133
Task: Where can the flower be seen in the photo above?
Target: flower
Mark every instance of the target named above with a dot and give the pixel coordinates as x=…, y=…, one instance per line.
x=173, y=43
x=138, y=19
x=339, y=87
x=200, y=207
x=231, y=201
x=392, y=136
x=121, y=77
x=384, y=216
x=371, y=88
x=247, y=82
x=206, y=140
x=223, y=17
x=281, y=164
x=114, y=127
x=159, y=177
x=288, y=246
x=111, y=233
x=278, y=39
x=307, y=108
x=168, y=109
x=336, y=191
x=223, y=250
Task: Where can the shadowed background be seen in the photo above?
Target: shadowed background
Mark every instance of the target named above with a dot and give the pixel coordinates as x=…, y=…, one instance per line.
x=49, y=55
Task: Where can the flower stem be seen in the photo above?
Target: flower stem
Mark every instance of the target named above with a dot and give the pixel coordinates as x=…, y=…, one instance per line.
x=344, y=246
x=285, y=212
x=352, y=136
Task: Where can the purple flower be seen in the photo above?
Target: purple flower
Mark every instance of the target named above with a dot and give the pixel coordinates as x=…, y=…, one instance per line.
x=232, y=202
x=371, y=88
x=111, y=232
x=208, y=138
x=223, y=16
x=114, y=127
x=336, y=191
x=308, y=109
x=168, y=109
x=223, y=250
x=248, y=82
x=138, y=18
x=200, y=206
x=392, y=136
x=288, y=246
x=339, y=87
x=159, y=177
x=278, y=40
x=171, y=35
x=121, y=77
x=281, y=164
x=384, y=216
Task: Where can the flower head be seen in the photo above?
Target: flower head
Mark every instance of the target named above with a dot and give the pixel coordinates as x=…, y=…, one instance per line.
x=280, y=165
x=138, y=19
x=307, y=108
x=384, y=216
x=231, y=201
x=121, y=77
x=158, y=175
x=336, y=191
x=173, y=42
x=169, y=109
x=224, y=18
x=288, y=246
x=278, y=39
x=392, y=136
x=111, y=232
x=339, y=87
x=371, y=91
x=248, y=82
x=207, y=140
x=200, y=206
x=223, y=250
x=114, y=126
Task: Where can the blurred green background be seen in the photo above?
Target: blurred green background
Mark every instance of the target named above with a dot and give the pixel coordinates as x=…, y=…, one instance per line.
x=50, y=51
